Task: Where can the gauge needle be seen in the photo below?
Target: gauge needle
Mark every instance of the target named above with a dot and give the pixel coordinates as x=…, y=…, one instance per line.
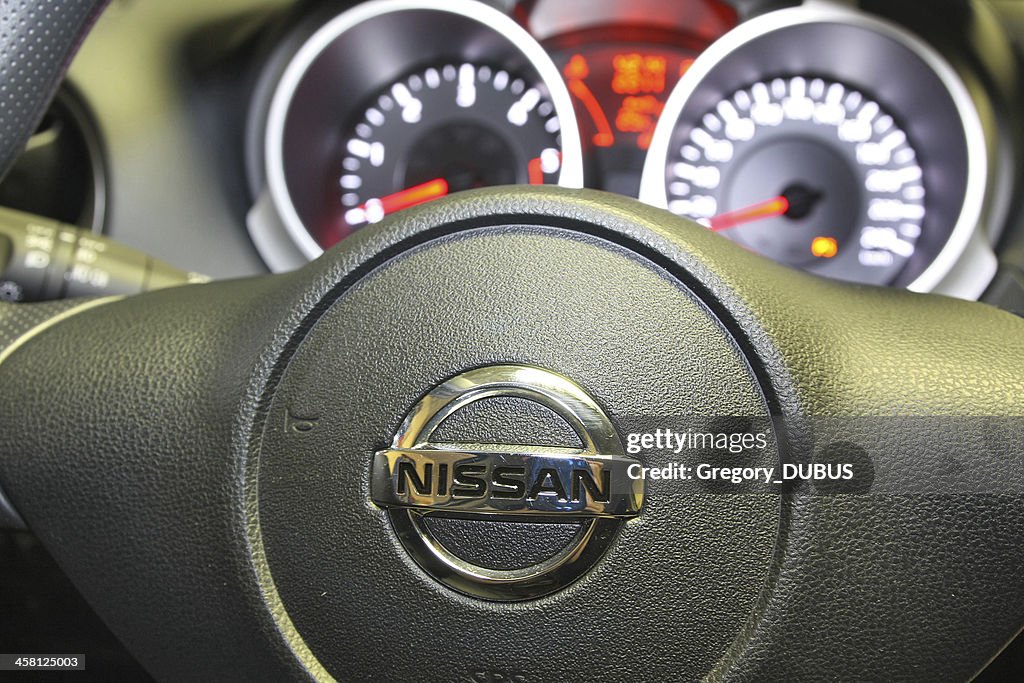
x=770, y=208
x=411, y=196
x=402, y=199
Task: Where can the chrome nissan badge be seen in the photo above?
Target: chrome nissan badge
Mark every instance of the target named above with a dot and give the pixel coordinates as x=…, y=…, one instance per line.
x=423, y=483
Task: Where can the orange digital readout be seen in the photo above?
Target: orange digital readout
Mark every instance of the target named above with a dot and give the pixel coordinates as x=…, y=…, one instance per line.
x=639, y=114
x=635, y=73
x=623, y=92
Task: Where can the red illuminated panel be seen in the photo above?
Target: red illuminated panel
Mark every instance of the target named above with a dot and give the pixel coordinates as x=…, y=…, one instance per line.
x=623, y=91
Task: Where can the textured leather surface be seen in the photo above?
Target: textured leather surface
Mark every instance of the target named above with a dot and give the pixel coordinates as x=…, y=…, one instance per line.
x=155, y=500
x=37, y=40
x=15, y=321
x=124, y=432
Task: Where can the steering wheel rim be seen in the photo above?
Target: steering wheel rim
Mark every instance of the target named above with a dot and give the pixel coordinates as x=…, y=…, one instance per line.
x=134, y=443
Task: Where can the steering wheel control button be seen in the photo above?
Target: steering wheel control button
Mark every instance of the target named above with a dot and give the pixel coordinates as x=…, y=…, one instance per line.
x=426, y=484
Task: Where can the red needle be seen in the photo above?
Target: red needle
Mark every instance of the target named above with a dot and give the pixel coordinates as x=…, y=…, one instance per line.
x=776, y=206
x=417, y=194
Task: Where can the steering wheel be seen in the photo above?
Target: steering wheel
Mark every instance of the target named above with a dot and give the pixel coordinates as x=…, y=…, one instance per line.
x=236, y=476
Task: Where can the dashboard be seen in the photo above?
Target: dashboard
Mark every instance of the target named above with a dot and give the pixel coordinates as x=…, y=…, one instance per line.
x=875, y=142
x=866, y=142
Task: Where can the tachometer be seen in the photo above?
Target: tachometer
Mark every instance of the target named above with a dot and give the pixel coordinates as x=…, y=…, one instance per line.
x=806, y=171
x=833, y=142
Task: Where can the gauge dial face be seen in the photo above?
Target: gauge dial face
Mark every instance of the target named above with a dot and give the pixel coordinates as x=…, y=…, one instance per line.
x=808, y=172
x=440, y=130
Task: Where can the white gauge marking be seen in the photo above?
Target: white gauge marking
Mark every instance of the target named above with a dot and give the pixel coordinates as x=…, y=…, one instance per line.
x=550, y=160
x=412, y=108
x=360, y=148
x=816, y=89
x=519, y=112
x=798, y=107
x=875, y=258
x=465, y=94
x=885, y=180
x=714, y=149
x=913, y=192
x=885, y=210
x=699, y=206
x=872, y=237
x=910, y=230
x=702, y=176
x=355, y=216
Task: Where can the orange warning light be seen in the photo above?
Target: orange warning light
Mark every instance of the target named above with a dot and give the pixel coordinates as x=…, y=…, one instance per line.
x=635, y=73
x=577, y=68
x=824, y=247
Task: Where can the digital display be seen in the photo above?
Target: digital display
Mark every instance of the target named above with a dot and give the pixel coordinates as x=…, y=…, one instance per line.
x=619, y=91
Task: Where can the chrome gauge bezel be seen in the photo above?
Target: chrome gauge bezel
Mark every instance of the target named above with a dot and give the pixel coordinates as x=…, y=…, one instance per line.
x=967, y=241
x=421, y=31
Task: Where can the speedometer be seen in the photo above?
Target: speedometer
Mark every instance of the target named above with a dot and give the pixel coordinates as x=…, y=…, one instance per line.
x=831, y=142
x=806, y=171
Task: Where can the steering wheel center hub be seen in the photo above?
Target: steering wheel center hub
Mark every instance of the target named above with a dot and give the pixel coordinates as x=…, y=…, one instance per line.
x=462, y=452
x=506, y=483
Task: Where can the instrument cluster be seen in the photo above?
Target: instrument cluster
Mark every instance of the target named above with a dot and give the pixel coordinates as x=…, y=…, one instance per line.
x=820, y=136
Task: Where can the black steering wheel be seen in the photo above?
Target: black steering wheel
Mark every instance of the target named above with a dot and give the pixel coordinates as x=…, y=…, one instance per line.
x=316, y=474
